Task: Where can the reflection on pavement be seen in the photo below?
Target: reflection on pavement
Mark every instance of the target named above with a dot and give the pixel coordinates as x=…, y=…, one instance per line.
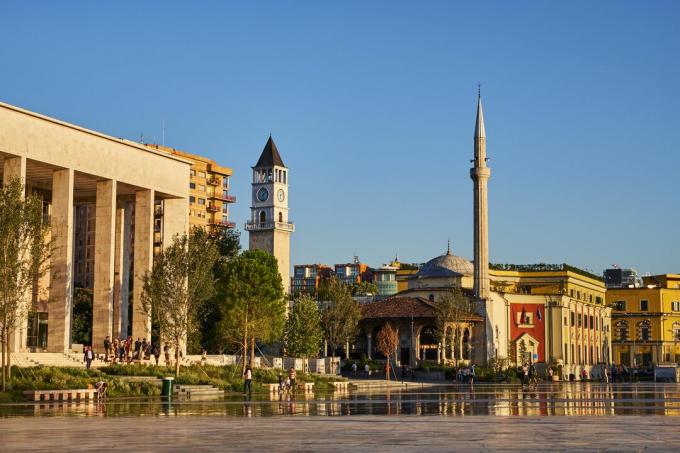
x=546, y=400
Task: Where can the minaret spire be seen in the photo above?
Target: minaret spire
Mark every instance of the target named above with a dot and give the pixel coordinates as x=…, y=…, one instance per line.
x=480, y=174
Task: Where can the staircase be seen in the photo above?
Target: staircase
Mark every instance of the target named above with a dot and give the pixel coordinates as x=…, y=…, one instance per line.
x=57, y=359
x=198, y=391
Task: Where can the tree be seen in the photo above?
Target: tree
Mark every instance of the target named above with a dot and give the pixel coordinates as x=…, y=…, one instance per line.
x=81, y=328
x=388, y=340
x=452, y=311
x=209, y=317
x=302, y=333
x=179, y=282
x=251, y=295
x=364, y=289
x=341, y=314
x=24, y=250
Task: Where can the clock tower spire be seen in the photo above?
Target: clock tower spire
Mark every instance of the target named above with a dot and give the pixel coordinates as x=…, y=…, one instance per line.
x=269, y=228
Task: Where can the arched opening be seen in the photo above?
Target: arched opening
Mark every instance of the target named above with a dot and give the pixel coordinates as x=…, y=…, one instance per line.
x=263, y=218
x=428, y=343
x=644, y=330
x=281, y=217
x=621, y=330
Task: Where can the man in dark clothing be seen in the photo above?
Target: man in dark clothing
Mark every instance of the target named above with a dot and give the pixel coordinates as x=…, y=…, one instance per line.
x=89, y=356
x=145, y=345
x=157, y=352
x=138, y=346
x=107, y=346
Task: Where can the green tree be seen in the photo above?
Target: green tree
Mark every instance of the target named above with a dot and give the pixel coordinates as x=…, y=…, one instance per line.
x=180, y=281
x=209, y=317
x=302, y=332
x=364, y=289
x=252, y=301
x=24, y=250
x=451, y=313
x=341, y=314
x=81, y=327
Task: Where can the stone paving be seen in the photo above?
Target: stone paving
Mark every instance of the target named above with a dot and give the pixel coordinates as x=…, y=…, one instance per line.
x=358, y=433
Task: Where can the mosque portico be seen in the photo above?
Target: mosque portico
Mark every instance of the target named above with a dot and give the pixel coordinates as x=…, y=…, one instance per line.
x=65, y=164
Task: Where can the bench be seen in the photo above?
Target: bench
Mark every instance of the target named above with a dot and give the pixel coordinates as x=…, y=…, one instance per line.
x=61, y=395
x=340, y=385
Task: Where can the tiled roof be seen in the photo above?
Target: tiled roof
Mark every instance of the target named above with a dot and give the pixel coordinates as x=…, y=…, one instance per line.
x=403, y=307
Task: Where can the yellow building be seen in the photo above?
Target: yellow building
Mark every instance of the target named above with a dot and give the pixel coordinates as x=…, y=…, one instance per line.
x=646, y=321
x=404, y=271
x=209, y=197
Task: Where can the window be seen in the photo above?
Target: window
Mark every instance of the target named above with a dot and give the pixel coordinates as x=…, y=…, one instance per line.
x=573, y=317
x=201, y=174
x=590, y=323
x=578, y=295
x=192, y=185
x=571, y=293
x=225, y=182
x=525, y=318
x=201, y=201
x=225, y=219
x=225, y=208
x=675, y=305
x=281, y=217
x=644, y=305
x=598, y=300
x=201, y=187
x=644, y=330
x=580, y=320
x=263, y=217
x=621, y=330
x=192, y=199
x=565, y=322
x=676, y=331
x=192, y=172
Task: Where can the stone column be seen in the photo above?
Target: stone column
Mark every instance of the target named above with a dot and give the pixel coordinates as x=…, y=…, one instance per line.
x=15, y=167
x=143, y=260
x=104, y=246
x=61, y=272
x=347, y=350
x=125, y=269
x=118, y=272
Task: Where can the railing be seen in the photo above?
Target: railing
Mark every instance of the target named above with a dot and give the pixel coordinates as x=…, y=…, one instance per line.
x=286, y=226
x=213, y=182
x=212, y=208
x=227, y=198
x=223, y=224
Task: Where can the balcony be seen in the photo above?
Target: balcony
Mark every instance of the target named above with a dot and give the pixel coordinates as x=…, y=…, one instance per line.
x=285, y=226
x=227, y=198
x=222, y=224
x=213, y=182
x=212, y=208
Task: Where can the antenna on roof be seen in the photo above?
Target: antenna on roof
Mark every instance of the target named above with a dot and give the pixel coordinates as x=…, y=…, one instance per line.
x=141, y=137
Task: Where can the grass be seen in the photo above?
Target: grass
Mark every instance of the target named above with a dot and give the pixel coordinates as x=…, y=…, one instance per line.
x=227, y=378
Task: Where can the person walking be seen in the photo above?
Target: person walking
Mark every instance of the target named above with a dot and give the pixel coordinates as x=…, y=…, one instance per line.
x=107, y=346
x=166, y=351
x=248, y=381
x=472, y=375
x=292, y=375
x=354, y=369
x=89, y=357
x=605, y=374
x=157, y=352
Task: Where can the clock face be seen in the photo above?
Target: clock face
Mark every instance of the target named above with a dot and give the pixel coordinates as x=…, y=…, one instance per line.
x=281, y=195
x=262, y=194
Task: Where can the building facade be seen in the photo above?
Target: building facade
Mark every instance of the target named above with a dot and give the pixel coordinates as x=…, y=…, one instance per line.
x=385, y=279
x=646, y=321
x=621, y=278
x=69, y=165
x=308, y=277
x=353, y=273
x=269, y=228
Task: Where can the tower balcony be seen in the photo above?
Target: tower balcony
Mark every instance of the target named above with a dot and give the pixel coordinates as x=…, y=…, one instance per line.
x=261, y=226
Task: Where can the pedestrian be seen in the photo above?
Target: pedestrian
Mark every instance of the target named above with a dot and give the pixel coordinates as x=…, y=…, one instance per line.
x=142, y=354
x=584, y=375
x=354, y=369
x=292, y=375
x=605, y=374
x=248, y=381
x=89, y=357
x=107, y=346
x=138, y=347
x=550, y=374
x=525, y=375
x=166, y=351
x=472, y=375
x=367, y=370
x=157, y=352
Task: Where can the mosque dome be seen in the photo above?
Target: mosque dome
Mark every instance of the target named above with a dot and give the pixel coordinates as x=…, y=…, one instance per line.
x=447, y=265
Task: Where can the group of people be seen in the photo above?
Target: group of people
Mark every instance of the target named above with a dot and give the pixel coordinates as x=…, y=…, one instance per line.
x=288, y=384
x=465, y=375
x=125, y=350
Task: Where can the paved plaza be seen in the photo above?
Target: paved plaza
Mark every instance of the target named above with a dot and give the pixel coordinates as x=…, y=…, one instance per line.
x=360, y=433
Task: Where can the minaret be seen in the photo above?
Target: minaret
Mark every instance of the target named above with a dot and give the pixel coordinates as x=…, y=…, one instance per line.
x=480, y=174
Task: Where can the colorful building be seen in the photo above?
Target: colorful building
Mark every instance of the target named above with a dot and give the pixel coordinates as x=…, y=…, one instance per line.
x=308, y=277
x=353, y=273
x=385, y=279
x=646, y=321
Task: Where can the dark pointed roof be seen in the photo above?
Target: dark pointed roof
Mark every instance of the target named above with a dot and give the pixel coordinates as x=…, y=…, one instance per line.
x=270, y=156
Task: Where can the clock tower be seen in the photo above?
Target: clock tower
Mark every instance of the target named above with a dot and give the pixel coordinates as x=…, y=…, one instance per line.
x=269, y=228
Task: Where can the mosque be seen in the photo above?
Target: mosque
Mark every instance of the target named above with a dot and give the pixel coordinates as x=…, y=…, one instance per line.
x=545, y=314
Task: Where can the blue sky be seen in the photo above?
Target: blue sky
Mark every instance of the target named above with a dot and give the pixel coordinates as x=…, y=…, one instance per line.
x=372, y=106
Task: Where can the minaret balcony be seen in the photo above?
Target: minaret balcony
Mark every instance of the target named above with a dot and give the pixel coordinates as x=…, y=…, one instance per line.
x=261, y=226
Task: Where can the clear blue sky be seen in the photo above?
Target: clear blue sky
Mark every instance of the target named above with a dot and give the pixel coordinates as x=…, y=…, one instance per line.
x=372, y=106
